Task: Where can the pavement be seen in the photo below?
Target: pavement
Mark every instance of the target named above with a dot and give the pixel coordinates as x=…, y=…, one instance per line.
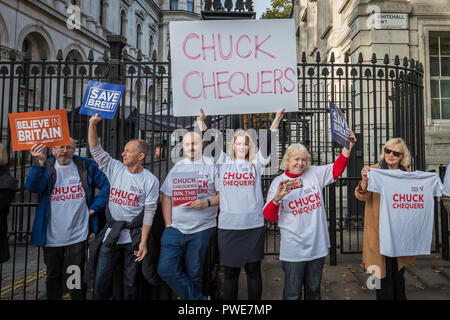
x=428, y=278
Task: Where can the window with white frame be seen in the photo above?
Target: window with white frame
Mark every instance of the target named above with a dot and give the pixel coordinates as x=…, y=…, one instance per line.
x=440, y=75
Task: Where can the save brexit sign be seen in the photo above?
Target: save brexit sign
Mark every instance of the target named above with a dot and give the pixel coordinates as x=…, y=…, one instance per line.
x=339, y=127
x=40, y=127
x=102, y=98
x=233, y=67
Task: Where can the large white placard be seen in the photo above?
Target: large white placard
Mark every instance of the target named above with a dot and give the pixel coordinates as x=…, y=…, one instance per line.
x=233, y=67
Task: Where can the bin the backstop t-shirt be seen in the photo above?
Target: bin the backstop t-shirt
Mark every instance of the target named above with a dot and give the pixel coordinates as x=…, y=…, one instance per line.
x=406, y=210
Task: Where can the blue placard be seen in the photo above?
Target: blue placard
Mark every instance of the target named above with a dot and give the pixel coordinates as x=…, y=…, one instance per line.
x=102, y=98
x=339, y=127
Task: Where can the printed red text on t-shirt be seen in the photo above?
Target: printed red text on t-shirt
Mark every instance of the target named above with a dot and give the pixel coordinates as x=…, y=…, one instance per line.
x=124, y=198
x=67, y=193
x=408, y=201
x=305, y=204
x=238, y=179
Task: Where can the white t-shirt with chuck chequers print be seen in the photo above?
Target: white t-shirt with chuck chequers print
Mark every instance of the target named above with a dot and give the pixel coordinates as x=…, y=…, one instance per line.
x=69, y=213
x=241, y=199
x=129, y=192
x=184, y=218
x=406, y=210
x=302, y=216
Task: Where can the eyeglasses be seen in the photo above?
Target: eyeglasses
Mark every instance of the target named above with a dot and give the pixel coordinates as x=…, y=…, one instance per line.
x=65, y=147
x=389, y=151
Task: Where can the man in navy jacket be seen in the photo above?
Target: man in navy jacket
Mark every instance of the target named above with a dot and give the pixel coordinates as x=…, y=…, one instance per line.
x=66, y=186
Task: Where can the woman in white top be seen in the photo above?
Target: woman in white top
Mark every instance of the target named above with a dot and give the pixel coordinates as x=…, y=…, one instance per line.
x=241, y=222
x=300, y=211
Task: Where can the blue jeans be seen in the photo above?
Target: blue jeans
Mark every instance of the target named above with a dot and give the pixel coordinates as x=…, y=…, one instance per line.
x=107, y=261
x=306, y=273
x=181, y=261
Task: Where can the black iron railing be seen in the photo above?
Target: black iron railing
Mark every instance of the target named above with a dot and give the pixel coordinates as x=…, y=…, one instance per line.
x=381, y=99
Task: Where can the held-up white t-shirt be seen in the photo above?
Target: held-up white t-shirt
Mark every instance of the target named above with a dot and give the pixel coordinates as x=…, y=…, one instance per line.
x=185, y=219
x=129, y=192
x=69, y=214
x=241, y=199
x=302, y=217
x=406, y=210
x=447, y=182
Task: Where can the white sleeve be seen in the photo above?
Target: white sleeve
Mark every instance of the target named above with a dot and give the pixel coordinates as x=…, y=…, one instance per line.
x=324, y=174
x=447, y=182
x=272, y=189
x=150, y=203
x=262, y=162
x=153, y=193
x=222, y=158
x=104, y=161
x=437, y=186
x=166, y=188
x=375, y=180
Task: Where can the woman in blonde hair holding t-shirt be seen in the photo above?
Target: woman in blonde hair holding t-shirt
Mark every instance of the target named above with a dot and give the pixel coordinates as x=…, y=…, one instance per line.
x=395, y=155
x=241, y=222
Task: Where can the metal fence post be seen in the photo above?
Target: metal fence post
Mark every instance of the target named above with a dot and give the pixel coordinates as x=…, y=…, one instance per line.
x=332, y=227
x=115, y=75
x=444, y=223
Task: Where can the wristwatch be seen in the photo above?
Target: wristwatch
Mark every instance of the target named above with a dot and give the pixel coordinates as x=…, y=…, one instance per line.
x=276, y=202
x=209, y=203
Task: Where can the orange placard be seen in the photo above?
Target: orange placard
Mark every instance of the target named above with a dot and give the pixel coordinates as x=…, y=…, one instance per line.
x=47, y=127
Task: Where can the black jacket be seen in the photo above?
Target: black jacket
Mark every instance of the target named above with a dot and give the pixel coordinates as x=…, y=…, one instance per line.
x=150, y=261
x=8, y=187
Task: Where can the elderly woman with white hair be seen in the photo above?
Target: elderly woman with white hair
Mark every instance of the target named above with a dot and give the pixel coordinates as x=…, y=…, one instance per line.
x=296, y=200
x=394, y=156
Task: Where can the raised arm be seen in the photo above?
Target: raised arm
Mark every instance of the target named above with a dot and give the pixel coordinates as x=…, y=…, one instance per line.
x=92, y=132
x=341, y=162
x=100, y=156
x=166, y=204
x=276, y=121
x=274, y=196
x=201, y=120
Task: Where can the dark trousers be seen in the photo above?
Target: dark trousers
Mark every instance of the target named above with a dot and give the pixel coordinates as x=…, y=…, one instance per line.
x=254, y=281
x=393, y=286
x=307, y=274
x=58, y=261
x=108, y=258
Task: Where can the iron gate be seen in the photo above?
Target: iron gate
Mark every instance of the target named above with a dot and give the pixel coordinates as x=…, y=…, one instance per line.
x=379, y=100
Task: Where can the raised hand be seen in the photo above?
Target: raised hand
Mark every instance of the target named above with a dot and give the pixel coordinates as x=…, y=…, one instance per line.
x=201, y=120
x=281, y=191
x=352, y=139
x=94, y=120
x=276, y=121
x=38, y=152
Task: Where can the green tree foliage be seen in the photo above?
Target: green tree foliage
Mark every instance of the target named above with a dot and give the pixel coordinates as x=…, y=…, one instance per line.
x=281, y=9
